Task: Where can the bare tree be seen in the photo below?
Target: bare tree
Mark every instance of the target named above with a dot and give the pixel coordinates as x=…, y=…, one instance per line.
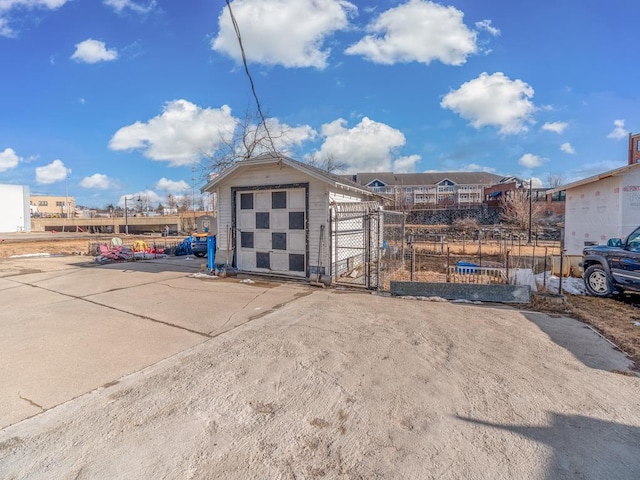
x=328, y=163
x=516, y=209
x=466, y=225
x=250, y=138
x=185, y=204
x=555, y=180
x=172, y=202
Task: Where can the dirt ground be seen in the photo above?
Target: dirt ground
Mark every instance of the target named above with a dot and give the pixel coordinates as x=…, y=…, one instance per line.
x=613, y=318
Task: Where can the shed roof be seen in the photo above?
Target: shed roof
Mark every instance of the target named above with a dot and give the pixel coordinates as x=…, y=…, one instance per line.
x=595, y=178
x=315, y=172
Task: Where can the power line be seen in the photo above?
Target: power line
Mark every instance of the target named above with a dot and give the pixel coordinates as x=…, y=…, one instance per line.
x=246, y=69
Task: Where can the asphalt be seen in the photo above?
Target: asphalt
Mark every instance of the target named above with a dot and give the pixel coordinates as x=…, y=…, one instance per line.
x=69, y=326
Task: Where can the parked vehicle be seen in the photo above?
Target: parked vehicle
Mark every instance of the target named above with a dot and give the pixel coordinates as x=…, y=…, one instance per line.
x=199, y=244
x=613, y=268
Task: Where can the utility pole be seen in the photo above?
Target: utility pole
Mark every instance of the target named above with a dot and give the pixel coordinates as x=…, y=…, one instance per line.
x=530, y=207
x=193, y=188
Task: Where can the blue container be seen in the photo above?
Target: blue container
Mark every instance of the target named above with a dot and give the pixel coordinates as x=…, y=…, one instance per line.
x=466, y=267
x=211, y=251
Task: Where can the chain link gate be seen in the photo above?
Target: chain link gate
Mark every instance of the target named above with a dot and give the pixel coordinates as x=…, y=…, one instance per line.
x=358, y=242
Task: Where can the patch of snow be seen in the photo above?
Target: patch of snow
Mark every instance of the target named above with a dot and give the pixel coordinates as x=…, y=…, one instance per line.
x=203, y=275
x=572, y=285
x=27, y=255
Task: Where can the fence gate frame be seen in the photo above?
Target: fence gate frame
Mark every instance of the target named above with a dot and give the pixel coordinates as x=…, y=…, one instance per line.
x=358, y=243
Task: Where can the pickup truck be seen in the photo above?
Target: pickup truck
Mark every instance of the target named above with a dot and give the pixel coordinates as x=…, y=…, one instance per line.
x=613, y=268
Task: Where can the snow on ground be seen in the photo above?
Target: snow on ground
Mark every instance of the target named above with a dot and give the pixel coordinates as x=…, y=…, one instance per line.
x=572, y=285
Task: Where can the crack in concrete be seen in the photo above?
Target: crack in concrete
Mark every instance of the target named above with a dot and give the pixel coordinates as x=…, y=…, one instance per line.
x=137, y=315
x=31, y=402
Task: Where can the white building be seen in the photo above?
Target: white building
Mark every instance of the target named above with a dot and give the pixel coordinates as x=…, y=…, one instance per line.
x=274, y=215
x=15, y=215
x=600, y=207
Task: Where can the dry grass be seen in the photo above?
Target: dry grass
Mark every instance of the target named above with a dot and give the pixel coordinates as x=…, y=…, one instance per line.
x=613, y=318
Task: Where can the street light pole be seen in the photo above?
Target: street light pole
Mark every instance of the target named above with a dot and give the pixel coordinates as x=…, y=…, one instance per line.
x=126, y=217
x=126, y=213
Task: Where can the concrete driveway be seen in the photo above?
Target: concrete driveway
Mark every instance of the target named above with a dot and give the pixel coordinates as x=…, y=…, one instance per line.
x=155, y=373
x=69, y=326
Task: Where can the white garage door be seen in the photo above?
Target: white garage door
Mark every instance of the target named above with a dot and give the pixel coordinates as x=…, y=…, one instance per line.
x=271, y=235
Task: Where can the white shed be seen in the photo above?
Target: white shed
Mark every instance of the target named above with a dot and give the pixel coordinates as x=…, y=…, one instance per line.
x=15, y=214
x=274, y=215
x=601, y=207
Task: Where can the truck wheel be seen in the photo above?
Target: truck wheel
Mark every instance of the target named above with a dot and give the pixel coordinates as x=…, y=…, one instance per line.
x=597, y=281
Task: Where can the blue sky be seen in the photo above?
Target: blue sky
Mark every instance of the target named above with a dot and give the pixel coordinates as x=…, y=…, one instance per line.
x=103, y=99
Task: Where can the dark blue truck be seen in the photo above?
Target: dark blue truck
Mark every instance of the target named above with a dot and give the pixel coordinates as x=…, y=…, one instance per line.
x=613, y=268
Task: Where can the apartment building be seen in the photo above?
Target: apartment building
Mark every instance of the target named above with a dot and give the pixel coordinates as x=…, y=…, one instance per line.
x=52, y=206
x=429, y=190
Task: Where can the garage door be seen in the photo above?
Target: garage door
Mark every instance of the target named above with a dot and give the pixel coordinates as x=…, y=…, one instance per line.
x=271, y=231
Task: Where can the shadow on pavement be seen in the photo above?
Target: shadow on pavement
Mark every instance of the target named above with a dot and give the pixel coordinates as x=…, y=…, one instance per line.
x=582, y=447
x=584, y=343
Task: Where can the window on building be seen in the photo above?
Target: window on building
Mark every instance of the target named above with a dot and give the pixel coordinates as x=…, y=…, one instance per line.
x=246, y=201
x=43, y=203
x=59, y=204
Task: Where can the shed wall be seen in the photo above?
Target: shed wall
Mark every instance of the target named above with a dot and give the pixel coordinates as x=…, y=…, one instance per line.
x=593, y=214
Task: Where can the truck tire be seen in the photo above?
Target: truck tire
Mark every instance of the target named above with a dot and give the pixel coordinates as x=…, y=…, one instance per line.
x=597, y=282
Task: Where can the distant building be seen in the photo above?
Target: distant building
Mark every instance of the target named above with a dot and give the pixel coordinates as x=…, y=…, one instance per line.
x=634, y=148
x=429, y=190
x=53, y=206
x=14, y=213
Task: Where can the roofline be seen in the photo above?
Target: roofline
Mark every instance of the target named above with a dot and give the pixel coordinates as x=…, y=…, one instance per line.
x=269, y=159
x=593, y=178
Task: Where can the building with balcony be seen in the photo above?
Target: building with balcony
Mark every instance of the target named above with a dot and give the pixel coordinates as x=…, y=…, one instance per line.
x=431, y=190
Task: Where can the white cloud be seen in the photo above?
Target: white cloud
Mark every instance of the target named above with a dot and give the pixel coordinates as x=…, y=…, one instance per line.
x=493, y=100
x=52, y=173
x=566, y=147
x=97, y=180
x=7, y=7
x=529, y=160
x=557, y=127
x=172, y=185
x=367, y=147
x=618, y=131
x=417, y=31
x=139, y=200
x=9, y=159
x=486, y=25
x=120, y=5
x=93, y=51
x=406, y=164
x=535, y=182
x=474, y=167
x=286, y=137
x=180, y=135
x=282, y=32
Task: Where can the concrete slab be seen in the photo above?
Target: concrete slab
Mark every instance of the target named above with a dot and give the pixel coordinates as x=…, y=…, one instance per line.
x=464, y=291
x=215, y=305
x=69, y=329
x=90, y=281
x=55, y=348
